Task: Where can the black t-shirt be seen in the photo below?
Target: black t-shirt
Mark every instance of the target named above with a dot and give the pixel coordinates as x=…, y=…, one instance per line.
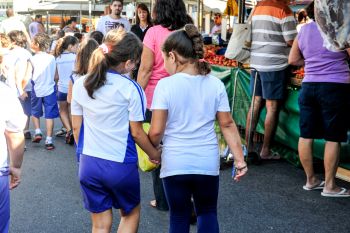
x=138, y=31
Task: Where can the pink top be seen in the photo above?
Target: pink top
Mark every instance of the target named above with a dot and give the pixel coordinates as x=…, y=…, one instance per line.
x=154, y=40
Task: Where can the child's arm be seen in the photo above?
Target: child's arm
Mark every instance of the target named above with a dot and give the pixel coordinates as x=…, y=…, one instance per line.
x=233, y=140
x=69, y=95
x=56, y=75
x=143, y=141
x=76, y=125
x=158, y=123
x=20, y=76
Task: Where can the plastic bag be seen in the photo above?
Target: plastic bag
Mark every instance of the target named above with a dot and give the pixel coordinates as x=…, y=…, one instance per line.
x=143, y=160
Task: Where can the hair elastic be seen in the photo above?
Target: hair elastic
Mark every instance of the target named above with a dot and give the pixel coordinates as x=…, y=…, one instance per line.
x=104, y=48
x=202, y=60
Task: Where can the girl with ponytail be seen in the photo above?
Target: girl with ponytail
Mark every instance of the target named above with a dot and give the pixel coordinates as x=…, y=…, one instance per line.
x=108, y=109
x=65, y=60
x=184, y=109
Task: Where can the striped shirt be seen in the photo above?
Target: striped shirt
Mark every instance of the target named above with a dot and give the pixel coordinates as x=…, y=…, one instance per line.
x=273, y=24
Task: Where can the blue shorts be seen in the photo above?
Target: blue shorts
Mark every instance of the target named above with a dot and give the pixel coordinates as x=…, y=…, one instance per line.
x=4, y=204
x=269, y=85
x=106, y=184
x=61, y=96
x=50, y=105
x=27, y=104
x=324, y=111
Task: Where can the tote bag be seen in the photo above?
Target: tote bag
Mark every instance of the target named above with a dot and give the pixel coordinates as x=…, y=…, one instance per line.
x=144, y=164
x=240, y=42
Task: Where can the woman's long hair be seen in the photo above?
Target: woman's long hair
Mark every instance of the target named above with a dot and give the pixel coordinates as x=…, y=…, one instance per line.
x=83, y=56
x=143, y=7
x=170, y=14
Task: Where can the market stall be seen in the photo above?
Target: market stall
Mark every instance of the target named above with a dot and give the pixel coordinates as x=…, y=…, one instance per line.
x=288, y=132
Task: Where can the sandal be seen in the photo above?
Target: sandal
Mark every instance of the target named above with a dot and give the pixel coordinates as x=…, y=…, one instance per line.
x=153, y=203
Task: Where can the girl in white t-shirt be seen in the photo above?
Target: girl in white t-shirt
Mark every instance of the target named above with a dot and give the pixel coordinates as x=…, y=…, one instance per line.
x=184, y=109
x=65, y=64
x=108, y=109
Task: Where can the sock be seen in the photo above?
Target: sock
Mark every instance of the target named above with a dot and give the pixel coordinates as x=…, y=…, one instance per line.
x=48, y=139
x=38, y=131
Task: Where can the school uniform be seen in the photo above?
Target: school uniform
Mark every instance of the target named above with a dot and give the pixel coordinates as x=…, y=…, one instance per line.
x=65, y=65
x=108, y=164
x=12, y=119
x=43, y=86
x=15, y=56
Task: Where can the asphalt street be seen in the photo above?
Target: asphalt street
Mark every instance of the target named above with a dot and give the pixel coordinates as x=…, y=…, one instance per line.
x=269, y=199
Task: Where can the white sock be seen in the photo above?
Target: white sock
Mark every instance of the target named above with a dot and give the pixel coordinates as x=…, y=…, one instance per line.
x=48, y=139
x=38, y=131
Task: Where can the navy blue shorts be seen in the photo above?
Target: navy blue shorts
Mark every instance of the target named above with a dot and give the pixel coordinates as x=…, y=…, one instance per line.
x=324, y=111
x=61, y=96
x=4, y=204
x=27, y=104
x=106, y=184
x=269, y=85
x=50, y=105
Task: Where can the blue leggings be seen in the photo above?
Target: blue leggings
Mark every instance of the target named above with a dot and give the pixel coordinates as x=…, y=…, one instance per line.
x=204, y=189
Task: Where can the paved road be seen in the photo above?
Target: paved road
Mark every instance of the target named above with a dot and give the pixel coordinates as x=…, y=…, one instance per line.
x=269, y=199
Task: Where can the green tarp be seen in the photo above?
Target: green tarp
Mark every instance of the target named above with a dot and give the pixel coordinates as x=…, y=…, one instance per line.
x=287, y=133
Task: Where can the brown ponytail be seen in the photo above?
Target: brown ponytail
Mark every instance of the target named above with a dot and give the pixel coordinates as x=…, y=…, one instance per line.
x=118, y=47
x=188, y=43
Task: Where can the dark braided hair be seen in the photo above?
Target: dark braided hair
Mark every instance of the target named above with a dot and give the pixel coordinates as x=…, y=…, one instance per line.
x=188, y=43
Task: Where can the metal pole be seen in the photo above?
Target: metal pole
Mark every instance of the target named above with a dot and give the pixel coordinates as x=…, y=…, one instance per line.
x=198, y=12
x=90, y=20
x=47, y=22
x=241, y=11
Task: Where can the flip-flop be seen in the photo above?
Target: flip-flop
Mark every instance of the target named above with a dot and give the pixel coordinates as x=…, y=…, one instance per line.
x=272, y=156
x=315, y=187
x=153, y=203
x=341, y=193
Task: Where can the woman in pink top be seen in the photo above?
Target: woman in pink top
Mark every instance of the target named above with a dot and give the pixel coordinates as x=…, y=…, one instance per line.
x=169, y=15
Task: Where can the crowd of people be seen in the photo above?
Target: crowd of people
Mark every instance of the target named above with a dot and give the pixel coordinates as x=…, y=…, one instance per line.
x=103, y=87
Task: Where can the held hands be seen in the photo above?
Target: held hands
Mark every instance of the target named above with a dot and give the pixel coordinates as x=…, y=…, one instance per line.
x=240, y=169
x=15, y=177
x=157, y=155
x=24, y=96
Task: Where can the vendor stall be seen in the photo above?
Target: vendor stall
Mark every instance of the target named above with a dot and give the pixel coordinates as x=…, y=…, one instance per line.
x=288, y=132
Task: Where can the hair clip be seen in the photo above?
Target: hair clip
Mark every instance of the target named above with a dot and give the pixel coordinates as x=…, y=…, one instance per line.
x=202, y=60
x=104, y=48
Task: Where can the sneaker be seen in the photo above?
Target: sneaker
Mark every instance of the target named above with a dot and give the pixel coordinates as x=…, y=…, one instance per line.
x=49, y=146
x=27, y=135
x=61, y=133
x=37, y=138
x=70, y=138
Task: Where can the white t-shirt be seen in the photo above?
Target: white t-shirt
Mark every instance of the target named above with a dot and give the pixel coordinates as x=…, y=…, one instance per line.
x=65, y=65
x=11, y=24
x=107, y=23
x=12, y=119
x=44, y=74
x=16, y=56
x=189, y=144
x=106, y=133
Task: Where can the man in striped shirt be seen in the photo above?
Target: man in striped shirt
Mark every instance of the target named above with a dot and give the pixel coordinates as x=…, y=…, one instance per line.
x=273, y=32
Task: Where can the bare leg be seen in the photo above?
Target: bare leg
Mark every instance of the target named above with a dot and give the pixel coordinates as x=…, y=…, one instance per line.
x=331, y=160
x=102, y=222
x=270, y=126
x=257, y=107
x=129, y=223
x=36, y=122
x=305, y=154
x=64, y=114
x=26, y=128
x=49, y=127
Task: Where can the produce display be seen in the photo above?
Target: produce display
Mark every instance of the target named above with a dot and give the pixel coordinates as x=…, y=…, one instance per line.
x=212, y=54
